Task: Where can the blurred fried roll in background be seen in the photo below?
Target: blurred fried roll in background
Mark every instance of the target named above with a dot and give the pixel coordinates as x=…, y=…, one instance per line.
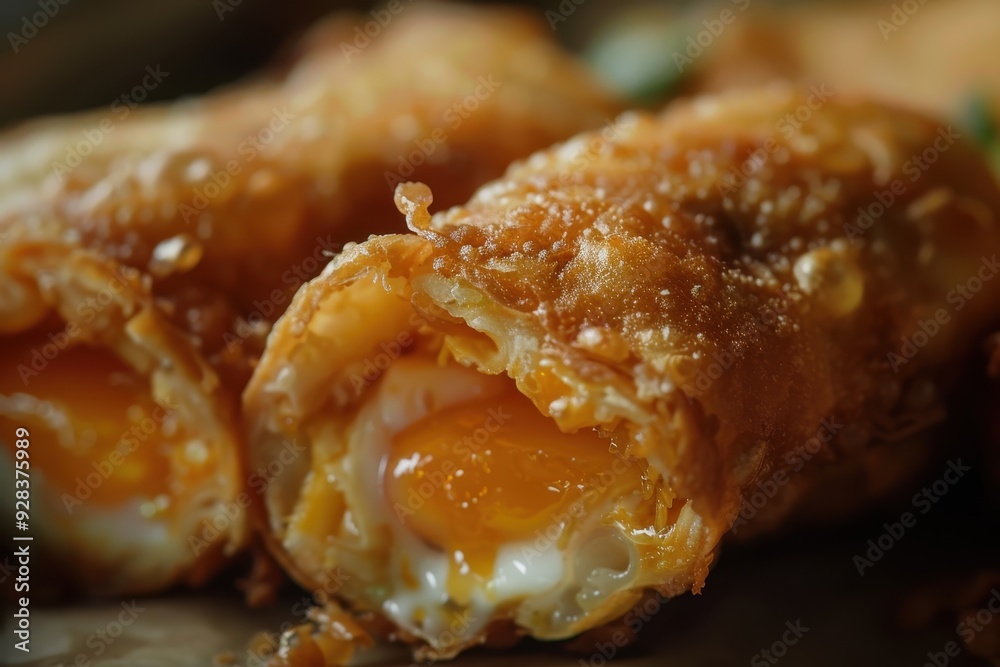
x=146, y=252
x=231, y=201
x=133, y=441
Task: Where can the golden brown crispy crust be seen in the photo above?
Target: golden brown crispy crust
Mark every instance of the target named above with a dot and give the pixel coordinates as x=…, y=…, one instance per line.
x=259, y=184
x=91, y=548
x=221, y=206
x=611, y=275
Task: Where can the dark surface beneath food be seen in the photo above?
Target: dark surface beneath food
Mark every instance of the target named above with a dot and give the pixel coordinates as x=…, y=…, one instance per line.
x=807, y=578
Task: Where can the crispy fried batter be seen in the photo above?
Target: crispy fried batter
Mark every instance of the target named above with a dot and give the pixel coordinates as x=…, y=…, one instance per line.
x=232, y=200
x=219, y=208
x=106, y=309
x=696, y=285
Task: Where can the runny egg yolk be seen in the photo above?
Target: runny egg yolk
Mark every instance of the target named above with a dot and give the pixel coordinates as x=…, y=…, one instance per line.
x=472, y=477
x=95, y=432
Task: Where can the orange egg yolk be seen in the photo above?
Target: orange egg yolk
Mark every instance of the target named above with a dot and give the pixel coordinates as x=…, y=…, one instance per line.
x=95, y=432
x=473, y=477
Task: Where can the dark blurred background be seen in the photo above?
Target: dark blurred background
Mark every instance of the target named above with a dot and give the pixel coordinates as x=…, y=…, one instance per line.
x=87, y=52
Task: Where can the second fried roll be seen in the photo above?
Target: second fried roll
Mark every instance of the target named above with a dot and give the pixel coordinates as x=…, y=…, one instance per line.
x=133, y=458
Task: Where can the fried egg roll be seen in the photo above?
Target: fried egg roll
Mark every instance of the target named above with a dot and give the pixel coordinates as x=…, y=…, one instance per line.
x=539, y=406
x=132, y=442
x=232, y=200
x=204, y=216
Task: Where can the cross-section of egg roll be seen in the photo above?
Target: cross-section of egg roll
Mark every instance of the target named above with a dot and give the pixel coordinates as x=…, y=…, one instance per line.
x=218, y=208
x=543, y=403
x=132, y=443
x=232, y=200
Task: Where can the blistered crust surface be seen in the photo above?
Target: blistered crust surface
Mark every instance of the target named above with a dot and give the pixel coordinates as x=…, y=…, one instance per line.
x=640, y=261
x=226, y=203
x=676, y=239
x=252, y=185
x=698, y=284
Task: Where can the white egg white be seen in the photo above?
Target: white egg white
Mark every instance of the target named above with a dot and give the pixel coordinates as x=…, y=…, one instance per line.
x=548, y=581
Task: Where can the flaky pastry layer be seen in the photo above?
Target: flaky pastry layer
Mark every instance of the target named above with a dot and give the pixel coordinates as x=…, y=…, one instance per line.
x=703, y=287
x=232, y=200
x=75, y=303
